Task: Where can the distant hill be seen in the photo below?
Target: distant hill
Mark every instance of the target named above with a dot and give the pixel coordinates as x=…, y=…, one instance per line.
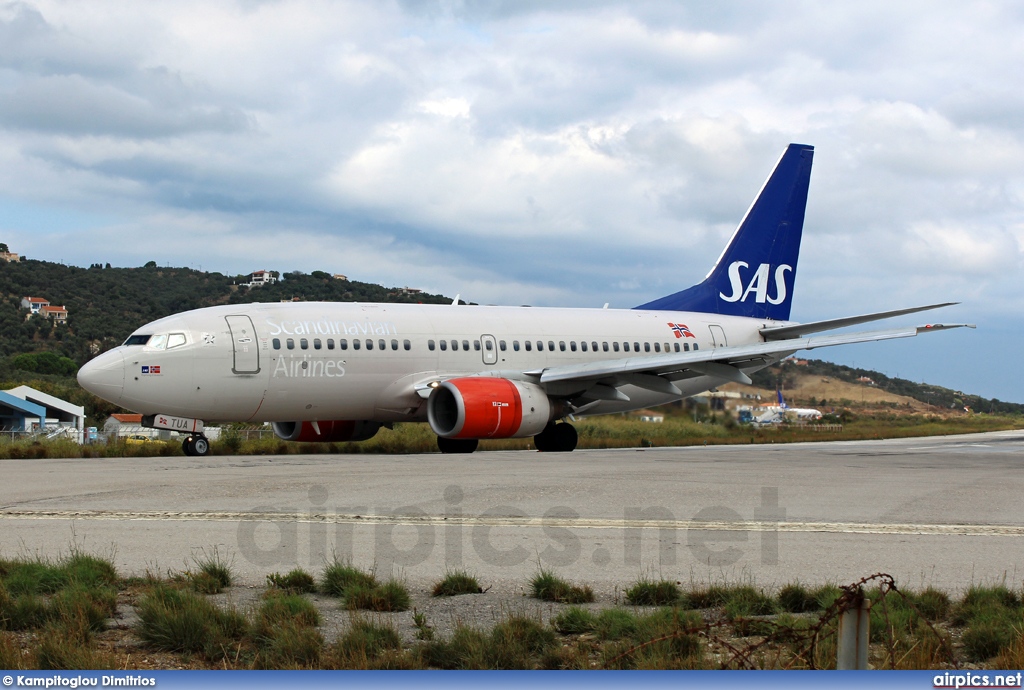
x=106, y=304
x=795, y=374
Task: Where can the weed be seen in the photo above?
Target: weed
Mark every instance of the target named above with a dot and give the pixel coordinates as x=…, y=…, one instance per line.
x=795, y=598
x=746, y=600
x=423, y=630
x=932, y=603
x=58, y=652
x=177, y=620
x=574, y=621
x=615, y=624
x=706, y=597
x=338, y=577
x=647, y=593
x=466, y=649
x=281, y=608
x=297, y=580
x=518, y=642
x=363, y=645
x=549, y=587
x=389, y=596
x=213, y=574
x=457, y=582
x=11, y=657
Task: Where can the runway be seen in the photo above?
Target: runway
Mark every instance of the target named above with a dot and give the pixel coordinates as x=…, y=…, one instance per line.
x=939, y=511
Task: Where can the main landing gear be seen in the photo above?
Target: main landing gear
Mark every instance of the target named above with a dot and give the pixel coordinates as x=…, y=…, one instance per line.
x=196, y=446
x=557, y=438
x=457, y=445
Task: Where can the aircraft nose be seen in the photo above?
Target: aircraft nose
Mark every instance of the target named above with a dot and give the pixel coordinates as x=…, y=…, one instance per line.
x=104, y=376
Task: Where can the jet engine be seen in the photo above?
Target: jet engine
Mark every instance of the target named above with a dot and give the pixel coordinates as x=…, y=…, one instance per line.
x=481, y=407
x=328, y=431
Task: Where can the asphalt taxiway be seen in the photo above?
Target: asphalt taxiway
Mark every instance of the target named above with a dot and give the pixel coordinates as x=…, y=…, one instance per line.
x=944, y=511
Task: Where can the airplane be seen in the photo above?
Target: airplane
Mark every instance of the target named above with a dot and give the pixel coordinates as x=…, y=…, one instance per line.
x=337, y=372
x=775, y=414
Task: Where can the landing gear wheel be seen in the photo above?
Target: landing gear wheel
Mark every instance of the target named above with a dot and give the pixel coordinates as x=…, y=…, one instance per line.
x=457, y=445
x=557, y=438
x=196, y=446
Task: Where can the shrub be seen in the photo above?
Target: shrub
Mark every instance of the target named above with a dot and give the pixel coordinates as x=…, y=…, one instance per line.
x=181, y=621
x=795, y=598
x=363, y=644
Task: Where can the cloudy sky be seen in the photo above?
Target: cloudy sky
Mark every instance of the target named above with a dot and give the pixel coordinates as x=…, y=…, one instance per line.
x=557, y=154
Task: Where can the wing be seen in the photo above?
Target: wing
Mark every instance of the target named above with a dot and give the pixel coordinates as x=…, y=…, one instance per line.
x=600, y=380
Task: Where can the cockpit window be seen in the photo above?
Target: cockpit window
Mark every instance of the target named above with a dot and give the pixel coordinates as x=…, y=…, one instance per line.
x=158, y=342
x=175, y=340
x=137, y=340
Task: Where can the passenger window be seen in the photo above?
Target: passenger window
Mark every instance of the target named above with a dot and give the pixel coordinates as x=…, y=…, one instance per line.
x=455, y=345
x=394, y=344
x=488, y=345
x=625, y=347
x=657, y=347
x=381, y=345
x=465, y=345
x=355, y=343
x=604, y=346
x=572, y=345
x=647, y=347
x=583, y=345
x=476, y=345
x=343, y=343
x=540, y=345
x=444, y=345
x=676, y=346
x=317, y=344
x=330, y=343
x=686, y=347
x=430, y=345
x=303, y=343
x=529, y=345
x=369, y=344
x=157, y=342
x=175, y=340
x=276, y=342
x=696, y=346
x=636, y=347
x=593, y=346
x=515, y=345
x=407, y=344
x=291, y=343
x=551, y=345
x=501, y=345
x=666, y=347
x=615, y=346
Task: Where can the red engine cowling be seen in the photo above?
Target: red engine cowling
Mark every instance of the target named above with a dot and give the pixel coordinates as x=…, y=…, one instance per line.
x=331, y=431
x=481, y=407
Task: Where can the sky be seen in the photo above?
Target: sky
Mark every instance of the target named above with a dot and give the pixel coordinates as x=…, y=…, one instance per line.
x=553, y=154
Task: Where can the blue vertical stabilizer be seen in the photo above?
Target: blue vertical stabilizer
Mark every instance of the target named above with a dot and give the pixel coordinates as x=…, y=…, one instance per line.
x=757, y=271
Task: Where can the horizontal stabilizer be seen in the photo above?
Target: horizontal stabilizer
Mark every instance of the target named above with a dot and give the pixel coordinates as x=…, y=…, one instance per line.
x=802, y=329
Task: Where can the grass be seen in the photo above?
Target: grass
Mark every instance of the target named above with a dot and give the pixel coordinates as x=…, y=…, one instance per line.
x=180, y=620
x=296, y=581
x=388, y=596
x=649, y=593
x=547, y=586
x=457, y=582
x=339, y=577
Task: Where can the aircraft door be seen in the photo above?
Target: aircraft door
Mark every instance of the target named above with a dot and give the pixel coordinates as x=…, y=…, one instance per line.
x=489, y=349
x=718, y=336
x=243, y=342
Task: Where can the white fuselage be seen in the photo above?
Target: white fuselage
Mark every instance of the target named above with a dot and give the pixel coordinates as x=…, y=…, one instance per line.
x=322, y=360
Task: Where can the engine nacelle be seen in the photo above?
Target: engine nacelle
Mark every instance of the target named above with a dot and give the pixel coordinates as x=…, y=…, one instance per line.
x=482, y=407
x=330, y=431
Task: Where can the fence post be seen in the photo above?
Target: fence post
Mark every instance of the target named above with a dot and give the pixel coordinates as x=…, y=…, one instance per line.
x=854, y=629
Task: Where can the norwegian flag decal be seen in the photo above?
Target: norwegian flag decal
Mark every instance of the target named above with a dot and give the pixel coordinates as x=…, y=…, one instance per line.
x=681, y=330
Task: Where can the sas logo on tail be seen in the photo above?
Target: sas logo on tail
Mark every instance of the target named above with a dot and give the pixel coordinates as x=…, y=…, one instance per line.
x=757, y=283
x=681, y=330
